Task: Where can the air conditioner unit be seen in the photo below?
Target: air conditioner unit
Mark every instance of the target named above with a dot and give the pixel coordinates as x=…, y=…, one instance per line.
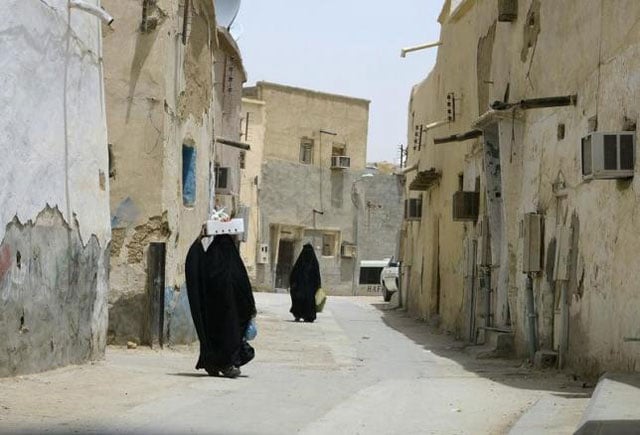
x=413, y=209
x=466, y=206
x=507, y=10
x=223, y=182
x=348, y=250
x=263, y=254
x=340, y=162
x=608, y=155
x=531, y=231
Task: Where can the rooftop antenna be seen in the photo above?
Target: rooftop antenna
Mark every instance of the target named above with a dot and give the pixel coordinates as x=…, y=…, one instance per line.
x=226, y=12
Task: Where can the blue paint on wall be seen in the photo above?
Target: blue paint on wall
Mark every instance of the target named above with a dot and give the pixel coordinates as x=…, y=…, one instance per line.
x=125, y=215
x=188, y=175
x=178, y=326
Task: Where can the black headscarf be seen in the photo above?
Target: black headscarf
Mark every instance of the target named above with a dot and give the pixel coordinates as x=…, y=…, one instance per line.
x=221, y=303
x=304, y=282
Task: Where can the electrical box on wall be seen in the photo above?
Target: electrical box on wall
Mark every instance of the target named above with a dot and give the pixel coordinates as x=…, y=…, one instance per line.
x=608, y=155
x=348, y=250
x=263, y=254
x=507, y=10
x=532, y=227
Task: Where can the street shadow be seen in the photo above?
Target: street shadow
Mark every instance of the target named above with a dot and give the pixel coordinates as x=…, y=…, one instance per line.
x=516, y=373
x=203, y=375
x=190, y=375
x=610, y=427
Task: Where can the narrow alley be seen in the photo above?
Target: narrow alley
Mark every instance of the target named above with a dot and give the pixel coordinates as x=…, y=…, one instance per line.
x=360, y=368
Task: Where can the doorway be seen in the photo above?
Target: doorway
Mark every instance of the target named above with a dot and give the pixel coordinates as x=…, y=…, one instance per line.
x=284, y=263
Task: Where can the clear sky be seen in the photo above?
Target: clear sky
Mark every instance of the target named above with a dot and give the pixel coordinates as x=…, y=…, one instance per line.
x=349, y=47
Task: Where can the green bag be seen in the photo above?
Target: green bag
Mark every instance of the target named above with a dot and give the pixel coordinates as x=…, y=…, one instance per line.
x=321, y=300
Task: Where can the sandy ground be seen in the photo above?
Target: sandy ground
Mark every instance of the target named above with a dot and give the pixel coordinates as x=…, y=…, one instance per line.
x=359, y=369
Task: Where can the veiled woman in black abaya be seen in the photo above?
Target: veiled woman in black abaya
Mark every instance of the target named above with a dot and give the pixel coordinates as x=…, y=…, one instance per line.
x=304, y=282
x=222, y=305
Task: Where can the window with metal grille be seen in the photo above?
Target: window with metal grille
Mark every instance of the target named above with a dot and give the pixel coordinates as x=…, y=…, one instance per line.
x=413, y=208
x=328, y=245
x=243, y=159
x=306, y=151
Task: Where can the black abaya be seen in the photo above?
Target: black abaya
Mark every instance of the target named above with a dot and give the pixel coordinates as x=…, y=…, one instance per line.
x=221, y=303
x=304, y=282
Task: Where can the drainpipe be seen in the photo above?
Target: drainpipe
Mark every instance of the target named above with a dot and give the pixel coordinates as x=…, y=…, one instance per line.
x=485, y=285
x=92, y=9
x=404, y=51
x=564, y=328
x=531, y=318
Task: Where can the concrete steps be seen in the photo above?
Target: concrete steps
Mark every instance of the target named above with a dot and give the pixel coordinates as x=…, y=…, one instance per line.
x=553, y=414
x=614, y=407
x=497, y=343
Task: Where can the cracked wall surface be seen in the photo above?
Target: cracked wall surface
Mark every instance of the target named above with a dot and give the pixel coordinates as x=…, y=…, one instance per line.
x=551, y=49
x=54, y=201
x=52, y=296
x=159, y=97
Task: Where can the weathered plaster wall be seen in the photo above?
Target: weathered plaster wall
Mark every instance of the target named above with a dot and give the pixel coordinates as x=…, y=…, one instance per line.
x=230, y=77
x=160, y=97
x=552, y=49
x=288, y=194
x=54, y=210
x=603, y=76
x=294, y=113
x=253, y=114
x=379, y=213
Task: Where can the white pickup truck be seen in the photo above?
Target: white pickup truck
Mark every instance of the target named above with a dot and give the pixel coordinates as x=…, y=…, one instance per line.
x=390, y=279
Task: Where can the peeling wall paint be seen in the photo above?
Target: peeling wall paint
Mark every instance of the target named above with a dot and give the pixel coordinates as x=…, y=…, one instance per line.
x=54, y=203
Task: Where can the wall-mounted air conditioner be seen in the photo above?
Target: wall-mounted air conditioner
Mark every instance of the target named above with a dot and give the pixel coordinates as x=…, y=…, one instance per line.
x=607, y=155
x=466, y=206
x=340, y=162
x=413, y=208
x=263, y=254
x=223, y=180
x=348, y=250
x=531, y=231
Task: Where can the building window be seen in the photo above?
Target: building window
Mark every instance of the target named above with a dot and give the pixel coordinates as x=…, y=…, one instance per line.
x=339, y=150
x=306, y=151
x=413, y=209
x=329, y=245
x=370, y=275
x=188, y=175
x=243, y=159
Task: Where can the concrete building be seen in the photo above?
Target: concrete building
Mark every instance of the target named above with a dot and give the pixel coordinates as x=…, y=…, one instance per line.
x=54, y=201
x=310, y=187
x=173, y=90
x=253, y=121
x=545, y=242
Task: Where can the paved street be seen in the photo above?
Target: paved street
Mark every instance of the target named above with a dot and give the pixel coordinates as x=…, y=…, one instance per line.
x=358, y=369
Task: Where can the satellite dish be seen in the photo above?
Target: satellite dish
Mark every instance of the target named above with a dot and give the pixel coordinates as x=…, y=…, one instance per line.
x=226, y=12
